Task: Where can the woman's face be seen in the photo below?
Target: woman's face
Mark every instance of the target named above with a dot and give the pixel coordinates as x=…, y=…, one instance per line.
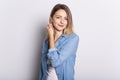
x=60, y=20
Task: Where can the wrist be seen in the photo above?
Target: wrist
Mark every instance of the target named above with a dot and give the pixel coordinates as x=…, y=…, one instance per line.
x=51, y=43
x=51, y=37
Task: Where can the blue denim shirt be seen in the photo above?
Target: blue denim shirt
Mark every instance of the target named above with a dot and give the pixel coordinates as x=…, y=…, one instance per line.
x=62, y=57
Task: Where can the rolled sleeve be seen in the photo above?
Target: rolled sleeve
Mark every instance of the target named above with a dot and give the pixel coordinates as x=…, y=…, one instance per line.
x=52, y=54
x=52, y=49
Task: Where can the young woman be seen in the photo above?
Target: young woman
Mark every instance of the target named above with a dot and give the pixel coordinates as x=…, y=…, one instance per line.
x=59, y=49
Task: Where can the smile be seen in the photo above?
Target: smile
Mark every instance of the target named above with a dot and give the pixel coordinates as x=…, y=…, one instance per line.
x=61, y=25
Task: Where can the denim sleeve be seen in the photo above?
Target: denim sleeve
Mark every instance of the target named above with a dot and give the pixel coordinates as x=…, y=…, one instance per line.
x=43, y=51
x=41, y=60
x=57, y=56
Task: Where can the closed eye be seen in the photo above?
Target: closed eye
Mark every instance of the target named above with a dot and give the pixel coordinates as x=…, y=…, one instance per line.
x=57, y=17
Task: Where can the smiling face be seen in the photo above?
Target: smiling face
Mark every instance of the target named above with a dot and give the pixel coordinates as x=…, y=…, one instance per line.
x=60, y=20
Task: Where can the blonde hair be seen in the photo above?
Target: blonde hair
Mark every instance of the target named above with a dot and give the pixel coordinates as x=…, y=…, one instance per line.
x=69, y=28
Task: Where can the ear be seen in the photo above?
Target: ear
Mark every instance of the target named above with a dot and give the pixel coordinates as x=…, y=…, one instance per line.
x=50, y=20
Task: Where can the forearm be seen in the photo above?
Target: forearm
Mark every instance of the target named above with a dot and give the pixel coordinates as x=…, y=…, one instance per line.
x=51, y=42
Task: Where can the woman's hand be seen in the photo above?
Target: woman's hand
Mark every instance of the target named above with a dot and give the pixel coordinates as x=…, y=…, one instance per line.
x=50, y=30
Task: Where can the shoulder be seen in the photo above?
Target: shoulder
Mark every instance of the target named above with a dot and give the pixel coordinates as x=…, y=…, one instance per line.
x=74, y=36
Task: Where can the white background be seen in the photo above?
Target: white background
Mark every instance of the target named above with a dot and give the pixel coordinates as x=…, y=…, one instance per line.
x=23, y=26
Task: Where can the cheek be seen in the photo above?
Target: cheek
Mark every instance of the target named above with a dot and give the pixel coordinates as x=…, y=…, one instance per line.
x=56, y=21
x=66, y=23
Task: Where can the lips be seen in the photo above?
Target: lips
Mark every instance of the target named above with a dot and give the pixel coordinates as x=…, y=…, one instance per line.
x=60, y=25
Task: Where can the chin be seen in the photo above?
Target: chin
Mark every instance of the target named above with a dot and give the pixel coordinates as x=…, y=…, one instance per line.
x=59, y=29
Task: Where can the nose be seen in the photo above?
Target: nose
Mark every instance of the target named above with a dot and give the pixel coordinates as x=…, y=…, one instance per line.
x=62, y=20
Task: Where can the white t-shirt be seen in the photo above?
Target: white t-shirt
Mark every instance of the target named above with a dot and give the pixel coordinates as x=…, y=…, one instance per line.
x=51, y=73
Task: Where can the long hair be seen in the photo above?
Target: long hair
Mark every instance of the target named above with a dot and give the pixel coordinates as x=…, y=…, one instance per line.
x=69, y=28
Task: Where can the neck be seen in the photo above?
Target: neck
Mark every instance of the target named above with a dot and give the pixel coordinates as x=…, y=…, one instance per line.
x=57, y=34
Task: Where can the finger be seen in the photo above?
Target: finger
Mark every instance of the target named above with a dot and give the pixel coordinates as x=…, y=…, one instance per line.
x=50, y=25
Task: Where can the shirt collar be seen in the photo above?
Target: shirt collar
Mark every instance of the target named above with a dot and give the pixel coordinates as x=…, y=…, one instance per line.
x=64, y=35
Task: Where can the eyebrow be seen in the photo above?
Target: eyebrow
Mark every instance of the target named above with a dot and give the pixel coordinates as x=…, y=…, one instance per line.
x=57, y=15
x=60, y=15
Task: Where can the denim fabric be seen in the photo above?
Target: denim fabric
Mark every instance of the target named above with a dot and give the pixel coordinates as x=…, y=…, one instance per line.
x=62, y=57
